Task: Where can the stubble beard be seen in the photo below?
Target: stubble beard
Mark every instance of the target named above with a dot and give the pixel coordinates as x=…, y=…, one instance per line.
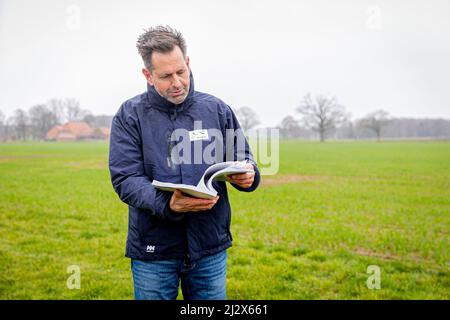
x=178, y=99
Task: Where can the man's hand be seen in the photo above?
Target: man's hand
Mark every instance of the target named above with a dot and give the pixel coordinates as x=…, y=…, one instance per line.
x=183, y=203
x=243, y=180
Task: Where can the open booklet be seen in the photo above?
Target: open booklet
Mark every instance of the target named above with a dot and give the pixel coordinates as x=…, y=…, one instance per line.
x=204, y=189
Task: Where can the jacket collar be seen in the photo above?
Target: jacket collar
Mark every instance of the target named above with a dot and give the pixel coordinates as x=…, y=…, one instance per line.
x=162, y=104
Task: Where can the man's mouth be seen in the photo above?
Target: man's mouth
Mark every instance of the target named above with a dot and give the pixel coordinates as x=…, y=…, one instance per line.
x=177, y=93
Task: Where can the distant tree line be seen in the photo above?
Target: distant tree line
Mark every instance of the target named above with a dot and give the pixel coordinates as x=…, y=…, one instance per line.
x=39, y=119
x=324, y=118
x=320, y=117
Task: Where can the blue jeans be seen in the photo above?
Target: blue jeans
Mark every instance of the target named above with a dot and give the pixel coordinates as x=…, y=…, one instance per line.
x=204, y=279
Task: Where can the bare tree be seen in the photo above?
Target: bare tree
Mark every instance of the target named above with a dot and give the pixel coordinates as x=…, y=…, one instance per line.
x=20, y=120
x=42, y=119
x=375, y=121
x=247, y=118
x=346, y=130
x=90, y=120
x=67, y=109
x=73, y=110
x=290, y=128
x=57, y=106
x=321, y=115
x=3, y=130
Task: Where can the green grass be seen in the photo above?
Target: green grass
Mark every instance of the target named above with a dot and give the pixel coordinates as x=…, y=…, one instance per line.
x=308, y=233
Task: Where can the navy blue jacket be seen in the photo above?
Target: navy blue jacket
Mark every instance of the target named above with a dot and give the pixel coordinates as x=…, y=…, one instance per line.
x=140, y=146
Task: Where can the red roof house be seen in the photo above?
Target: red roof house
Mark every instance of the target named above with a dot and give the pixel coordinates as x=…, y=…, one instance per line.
x=71, y=131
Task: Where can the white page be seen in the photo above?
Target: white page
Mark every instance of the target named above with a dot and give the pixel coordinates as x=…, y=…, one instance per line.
x=204, y=188
x=195, y=191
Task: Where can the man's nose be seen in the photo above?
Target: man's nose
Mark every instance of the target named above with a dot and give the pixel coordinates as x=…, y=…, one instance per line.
x=176, y=82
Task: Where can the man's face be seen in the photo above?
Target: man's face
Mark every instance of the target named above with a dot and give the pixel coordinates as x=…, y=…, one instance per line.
x=170, y=75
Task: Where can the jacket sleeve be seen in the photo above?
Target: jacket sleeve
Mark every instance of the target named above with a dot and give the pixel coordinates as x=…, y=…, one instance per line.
x=241, y=151
x=126, y=168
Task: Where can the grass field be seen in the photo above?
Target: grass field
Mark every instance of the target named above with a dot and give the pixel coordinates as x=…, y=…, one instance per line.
x=308, y=233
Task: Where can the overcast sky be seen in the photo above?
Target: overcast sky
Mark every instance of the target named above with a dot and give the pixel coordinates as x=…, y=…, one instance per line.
x=267, y=55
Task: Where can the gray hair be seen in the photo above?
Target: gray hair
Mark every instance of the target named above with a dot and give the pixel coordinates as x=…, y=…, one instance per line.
x=160, y=39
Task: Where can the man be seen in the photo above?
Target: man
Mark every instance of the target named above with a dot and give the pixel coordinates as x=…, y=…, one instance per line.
x=172, y=236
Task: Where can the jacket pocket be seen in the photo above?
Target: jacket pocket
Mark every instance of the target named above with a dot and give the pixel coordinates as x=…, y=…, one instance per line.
x=160, y=237
x=148, y=225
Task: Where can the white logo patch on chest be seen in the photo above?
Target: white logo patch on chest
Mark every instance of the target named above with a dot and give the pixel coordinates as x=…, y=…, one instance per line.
x=201, y=134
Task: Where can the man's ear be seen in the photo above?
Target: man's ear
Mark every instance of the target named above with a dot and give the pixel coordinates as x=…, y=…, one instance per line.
x=187, y=61
x=148, y=76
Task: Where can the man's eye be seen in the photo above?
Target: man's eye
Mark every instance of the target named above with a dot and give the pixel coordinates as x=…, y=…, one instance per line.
x=180, y=72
